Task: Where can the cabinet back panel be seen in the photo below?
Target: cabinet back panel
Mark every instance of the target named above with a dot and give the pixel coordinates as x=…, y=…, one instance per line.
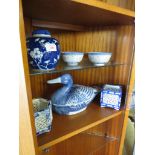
x=85, y=77
x=118, y=40
x=71, y=146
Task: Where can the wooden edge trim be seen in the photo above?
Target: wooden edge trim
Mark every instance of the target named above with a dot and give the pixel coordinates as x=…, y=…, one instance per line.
x=108, y=7
x=132, y=78
x=27, y=133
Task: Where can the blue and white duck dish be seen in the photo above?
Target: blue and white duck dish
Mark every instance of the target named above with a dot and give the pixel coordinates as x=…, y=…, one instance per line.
x=71, y=99
x=43, y=51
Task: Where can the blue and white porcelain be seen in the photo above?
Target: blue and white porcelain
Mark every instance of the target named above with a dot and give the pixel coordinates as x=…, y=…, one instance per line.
x=43, y=51
x=72, y=58
x=71, y=99
x=99, y=58
x=111, y=96
x=43, y=115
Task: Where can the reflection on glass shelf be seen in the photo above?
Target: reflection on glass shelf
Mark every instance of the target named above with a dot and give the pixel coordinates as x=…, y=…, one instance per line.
x=102, y=140
x=62, y=67
x=84, y=143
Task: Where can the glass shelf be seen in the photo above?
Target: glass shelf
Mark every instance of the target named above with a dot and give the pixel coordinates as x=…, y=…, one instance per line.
x=98, y=141
x=62, y=67
x=90, y=141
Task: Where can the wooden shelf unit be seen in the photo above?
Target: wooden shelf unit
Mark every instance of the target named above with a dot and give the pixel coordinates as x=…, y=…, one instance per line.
x=91, y=141
x=76, y=12
x=64, y=127
x=85, y=26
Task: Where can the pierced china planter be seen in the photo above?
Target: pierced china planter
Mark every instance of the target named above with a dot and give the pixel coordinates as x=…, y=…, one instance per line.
x=43, y=51
x=43, y=115
x=111, y=96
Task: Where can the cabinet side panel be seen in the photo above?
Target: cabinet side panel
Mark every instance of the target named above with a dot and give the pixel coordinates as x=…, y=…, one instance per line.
x=27, y=133
x=129, y=95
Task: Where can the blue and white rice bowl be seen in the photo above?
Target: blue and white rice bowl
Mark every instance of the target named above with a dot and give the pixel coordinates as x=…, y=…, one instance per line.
x=72, y=58
x=99, y=58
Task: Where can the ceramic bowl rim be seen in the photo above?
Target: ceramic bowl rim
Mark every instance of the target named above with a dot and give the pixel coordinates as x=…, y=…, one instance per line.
x=72, y=53
x=99, y=53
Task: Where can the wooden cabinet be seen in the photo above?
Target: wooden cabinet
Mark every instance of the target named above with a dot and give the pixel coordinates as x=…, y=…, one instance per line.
x=91, y=25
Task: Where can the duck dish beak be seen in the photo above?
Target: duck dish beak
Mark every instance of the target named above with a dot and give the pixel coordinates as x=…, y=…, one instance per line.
x=57, y=80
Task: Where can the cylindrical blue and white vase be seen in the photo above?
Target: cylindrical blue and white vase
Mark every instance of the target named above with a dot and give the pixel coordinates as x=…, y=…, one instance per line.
x=43, y=50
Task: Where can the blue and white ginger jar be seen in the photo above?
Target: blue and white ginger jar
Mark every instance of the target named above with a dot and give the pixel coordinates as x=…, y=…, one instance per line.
x=43, y=51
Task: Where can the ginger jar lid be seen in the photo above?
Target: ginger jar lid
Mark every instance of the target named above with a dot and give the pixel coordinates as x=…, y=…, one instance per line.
x=41, y=33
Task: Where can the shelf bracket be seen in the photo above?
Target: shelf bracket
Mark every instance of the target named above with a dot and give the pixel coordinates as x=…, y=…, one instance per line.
x=46, y=150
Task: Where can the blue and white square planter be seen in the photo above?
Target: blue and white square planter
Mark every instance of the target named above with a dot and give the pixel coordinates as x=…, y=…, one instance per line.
x=43, y=115
x=111, y=96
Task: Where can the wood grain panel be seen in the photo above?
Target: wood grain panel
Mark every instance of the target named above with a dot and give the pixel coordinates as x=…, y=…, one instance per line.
x=129, y=97
x=28, y=26
x=124, y=53
x=57, y=26
x=73, y=125
x=116, y=39
x=78, y=12
x=88, y=77
x=108, y=149
x=127, y=4
x=98, y=39
x=97, y=143
x=27, y=140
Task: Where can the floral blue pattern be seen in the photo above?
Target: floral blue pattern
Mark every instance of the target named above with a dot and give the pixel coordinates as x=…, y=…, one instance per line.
x=43, y=51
